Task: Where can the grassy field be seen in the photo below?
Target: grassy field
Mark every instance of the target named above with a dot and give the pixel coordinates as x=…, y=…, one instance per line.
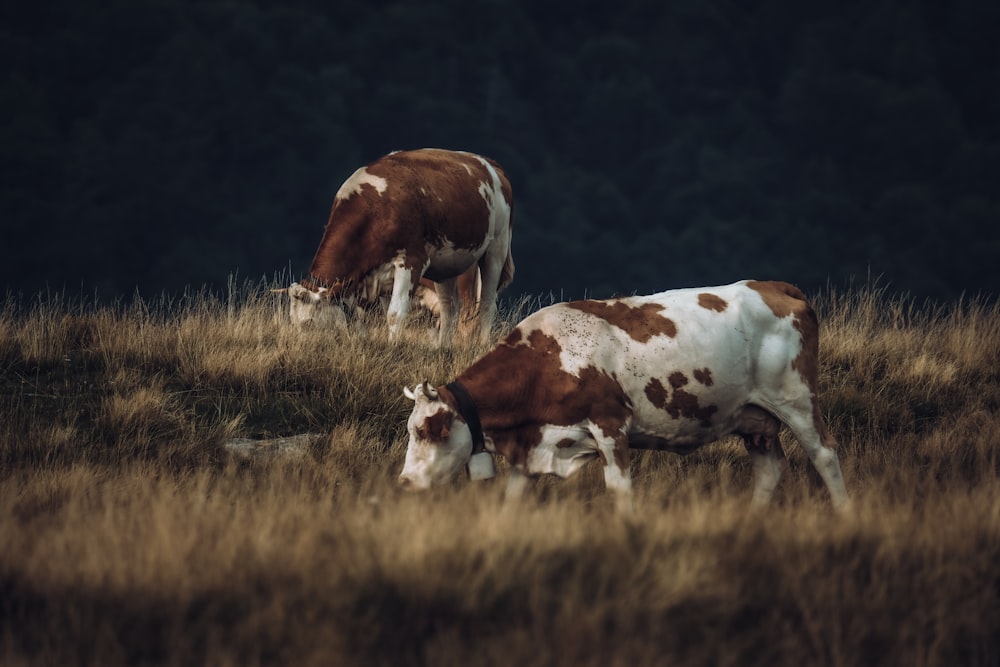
x=129, y=536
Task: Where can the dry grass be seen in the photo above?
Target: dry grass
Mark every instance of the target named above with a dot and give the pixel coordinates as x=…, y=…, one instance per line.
x=129, y=537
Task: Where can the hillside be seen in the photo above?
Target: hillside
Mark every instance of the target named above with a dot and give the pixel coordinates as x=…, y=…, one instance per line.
x=131, y=536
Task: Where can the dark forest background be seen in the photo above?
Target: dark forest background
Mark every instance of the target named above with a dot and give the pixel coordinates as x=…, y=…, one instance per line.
x=156, y=144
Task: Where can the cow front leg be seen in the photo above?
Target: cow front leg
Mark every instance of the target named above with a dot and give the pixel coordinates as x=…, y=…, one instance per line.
x=614, y=454
x=517, y=482
x=404, y=286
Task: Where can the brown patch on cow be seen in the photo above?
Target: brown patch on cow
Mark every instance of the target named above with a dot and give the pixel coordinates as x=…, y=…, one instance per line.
x=678, y=402
x=642, y=323
x=520, y=386
x=656, y=393
x=514, y=337
x=807, y=361
x=436, y=427
x=565, y=443
x=782, y=298
x=712, y=302
x=807, y=364
x=704, y=376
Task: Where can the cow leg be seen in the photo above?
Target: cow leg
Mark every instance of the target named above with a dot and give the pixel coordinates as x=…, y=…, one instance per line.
x=819, y=445
x=469, y=288
x=760, y=430
x=517, y=482
x=617, y=475
x=488, y=305
x=490, y=268
x=404, y=285
x=768, y=460
x=447, y=293
x=807, y=427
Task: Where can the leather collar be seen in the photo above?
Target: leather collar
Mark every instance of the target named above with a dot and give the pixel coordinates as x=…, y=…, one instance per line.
x=468, y=411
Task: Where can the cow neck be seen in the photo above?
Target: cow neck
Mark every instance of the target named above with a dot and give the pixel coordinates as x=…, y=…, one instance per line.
x=468, y=411
x=344, y=258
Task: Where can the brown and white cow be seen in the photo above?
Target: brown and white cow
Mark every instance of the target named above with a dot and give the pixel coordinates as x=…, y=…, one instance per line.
x=426, y=213
x=593, y=379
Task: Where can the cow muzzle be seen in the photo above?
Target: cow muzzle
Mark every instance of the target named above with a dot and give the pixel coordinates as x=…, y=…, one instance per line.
x=406, y=484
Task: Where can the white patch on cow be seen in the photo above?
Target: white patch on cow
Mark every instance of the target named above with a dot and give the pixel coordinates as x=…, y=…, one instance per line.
x=492, y=194
x=402, y=292
x=359, y=178
x=493, y=261
x=554, y=455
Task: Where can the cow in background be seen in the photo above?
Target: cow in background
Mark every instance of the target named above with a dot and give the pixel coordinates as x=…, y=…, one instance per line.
x=428, y=213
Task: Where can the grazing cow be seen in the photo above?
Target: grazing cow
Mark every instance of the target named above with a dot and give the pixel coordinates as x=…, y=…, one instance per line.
x=409, y=215
x=672, y=371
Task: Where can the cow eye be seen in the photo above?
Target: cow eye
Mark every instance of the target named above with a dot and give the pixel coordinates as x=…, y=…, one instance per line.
x=421, y=432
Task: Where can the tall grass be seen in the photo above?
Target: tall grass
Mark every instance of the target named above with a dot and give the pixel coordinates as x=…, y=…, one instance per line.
x=129, y=536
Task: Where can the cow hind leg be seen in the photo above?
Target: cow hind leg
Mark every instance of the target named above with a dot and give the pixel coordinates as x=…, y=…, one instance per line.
x=490, y=268
x=809, y=430
x=824, y=458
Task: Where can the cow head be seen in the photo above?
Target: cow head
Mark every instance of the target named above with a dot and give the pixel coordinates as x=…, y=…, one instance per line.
x=440, y=442
x=314, y=307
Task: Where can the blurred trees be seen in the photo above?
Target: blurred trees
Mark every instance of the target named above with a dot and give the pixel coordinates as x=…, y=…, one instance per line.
x=163, y=143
